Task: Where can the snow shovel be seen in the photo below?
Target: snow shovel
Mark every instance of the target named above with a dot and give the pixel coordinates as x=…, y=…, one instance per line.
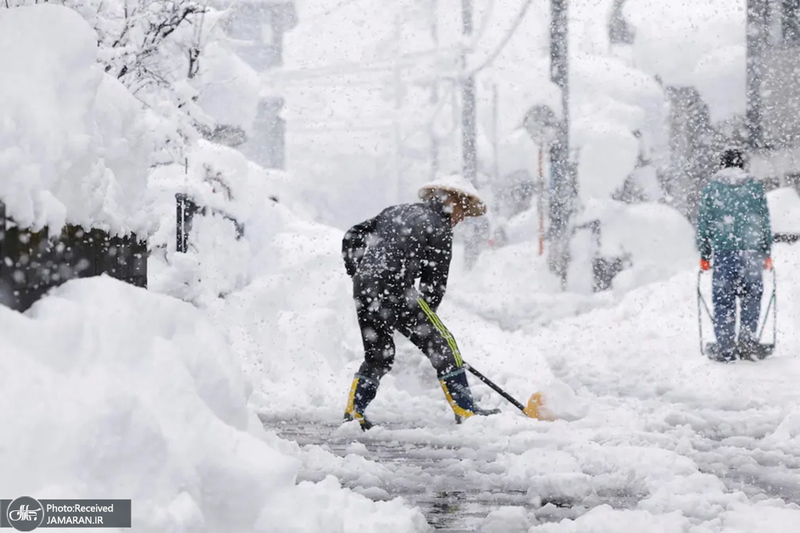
x=535, y=402
x=762, y=349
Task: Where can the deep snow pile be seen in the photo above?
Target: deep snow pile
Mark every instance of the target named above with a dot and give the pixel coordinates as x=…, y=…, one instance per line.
x=74, y=143
x=115, y=392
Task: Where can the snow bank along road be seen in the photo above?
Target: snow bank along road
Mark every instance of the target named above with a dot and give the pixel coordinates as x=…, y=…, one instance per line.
x=655, y=437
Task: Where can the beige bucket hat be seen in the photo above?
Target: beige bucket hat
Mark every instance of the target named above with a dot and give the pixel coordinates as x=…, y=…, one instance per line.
x=458, y=185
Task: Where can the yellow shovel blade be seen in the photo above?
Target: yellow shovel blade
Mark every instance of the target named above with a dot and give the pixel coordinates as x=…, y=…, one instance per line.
x=535, y=407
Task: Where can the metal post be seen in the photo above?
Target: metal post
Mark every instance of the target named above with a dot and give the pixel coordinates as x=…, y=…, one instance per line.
x=398, y=105
x=563, y=184
x=468, y=133
x=181, y=217
x=434, y=93
x=540, y=201
x=496, y=133
x=756, y=44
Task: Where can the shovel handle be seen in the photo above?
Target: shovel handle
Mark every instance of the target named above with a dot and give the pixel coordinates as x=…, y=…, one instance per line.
x=494, y=387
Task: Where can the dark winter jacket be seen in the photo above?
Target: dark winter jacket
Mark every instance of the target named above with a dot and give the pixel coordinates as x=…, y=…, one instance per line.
x=733, y=215
x=400, y=245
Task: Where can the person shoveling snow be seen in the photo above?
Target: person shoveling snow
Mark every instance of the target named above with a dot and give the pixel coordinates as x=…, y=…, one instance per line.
x=384, y=256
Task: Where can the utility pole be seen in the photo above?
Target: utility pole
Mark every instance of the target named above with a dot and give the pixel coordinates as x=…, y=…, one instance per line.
x=756, y=43
x=495, y=133
x=563, y=186
x=397, y=76
x=434, y=92
x=540, y=198
x=468, y=131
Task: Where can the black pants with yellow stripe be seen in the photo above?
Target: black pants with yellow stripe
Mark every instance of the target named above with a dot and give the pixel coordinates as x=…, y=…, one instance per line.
x=382, y=312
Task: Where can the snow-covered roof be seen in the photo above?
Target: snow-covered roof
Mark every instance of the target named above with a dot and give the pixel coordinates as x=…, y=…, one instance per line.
x=74, y=143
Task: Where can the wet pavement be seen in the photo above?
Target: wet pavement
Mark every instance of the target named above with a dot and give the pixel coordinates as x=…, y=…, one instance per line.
x=454, y=497
x=449, y=505
x=456, y=485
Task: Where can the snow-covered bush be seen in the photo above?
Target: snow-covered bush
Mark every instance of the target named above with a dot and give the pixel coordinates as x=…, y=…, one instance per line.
x=156, y=50
x=655, y=238
x=75, y=145
x=229, y=239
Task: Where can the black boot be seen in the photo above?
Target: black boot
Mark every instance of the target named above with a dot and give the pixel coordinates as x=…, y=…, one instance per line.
x=748, y=348
x=362, y=392
x=459, y=396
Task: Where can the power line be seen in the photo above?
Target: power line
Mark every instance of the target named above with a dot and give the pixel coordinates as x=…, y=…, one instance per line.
x=407, y=60
x=379, y=65
x=484, y=24
x=496, y=52
x=329, y=11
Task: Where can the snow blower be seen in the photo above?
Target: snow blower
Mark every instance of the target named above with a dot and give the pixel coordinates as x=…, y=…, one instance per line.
x=761, y=349
x=535, y=402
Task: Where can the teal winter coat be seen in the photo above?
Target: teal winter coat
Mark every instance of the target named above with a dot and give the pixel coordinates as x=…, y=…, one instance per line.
x=733, y=215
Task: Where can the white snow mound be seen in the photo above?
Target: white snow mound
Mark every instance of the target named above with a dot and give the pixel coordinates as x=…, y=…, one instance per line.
x=74, y=143
x=109, y=390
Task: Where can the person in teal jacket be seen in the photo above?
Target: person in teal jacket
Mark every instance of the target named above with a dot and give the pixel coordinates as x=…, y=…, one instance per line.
x=734, y=231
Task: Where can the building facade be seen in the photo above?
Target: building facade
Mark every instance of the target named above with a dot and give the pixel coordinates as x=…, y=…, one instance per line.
x=257, y=29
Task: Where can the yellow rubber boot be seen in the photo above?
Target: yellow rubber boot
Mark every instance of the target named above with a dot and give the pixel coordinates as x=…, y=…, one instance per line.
x=362, y=392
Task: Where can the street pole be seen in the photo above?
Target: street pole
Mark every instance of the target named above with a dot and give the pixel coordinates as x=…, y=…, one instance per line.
x=540, y=200
x=756, y=32
x=472, y=246
x=563, y=186
x=434, y=154
x=398, y=105
x=468, y=131
x=495, y=133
